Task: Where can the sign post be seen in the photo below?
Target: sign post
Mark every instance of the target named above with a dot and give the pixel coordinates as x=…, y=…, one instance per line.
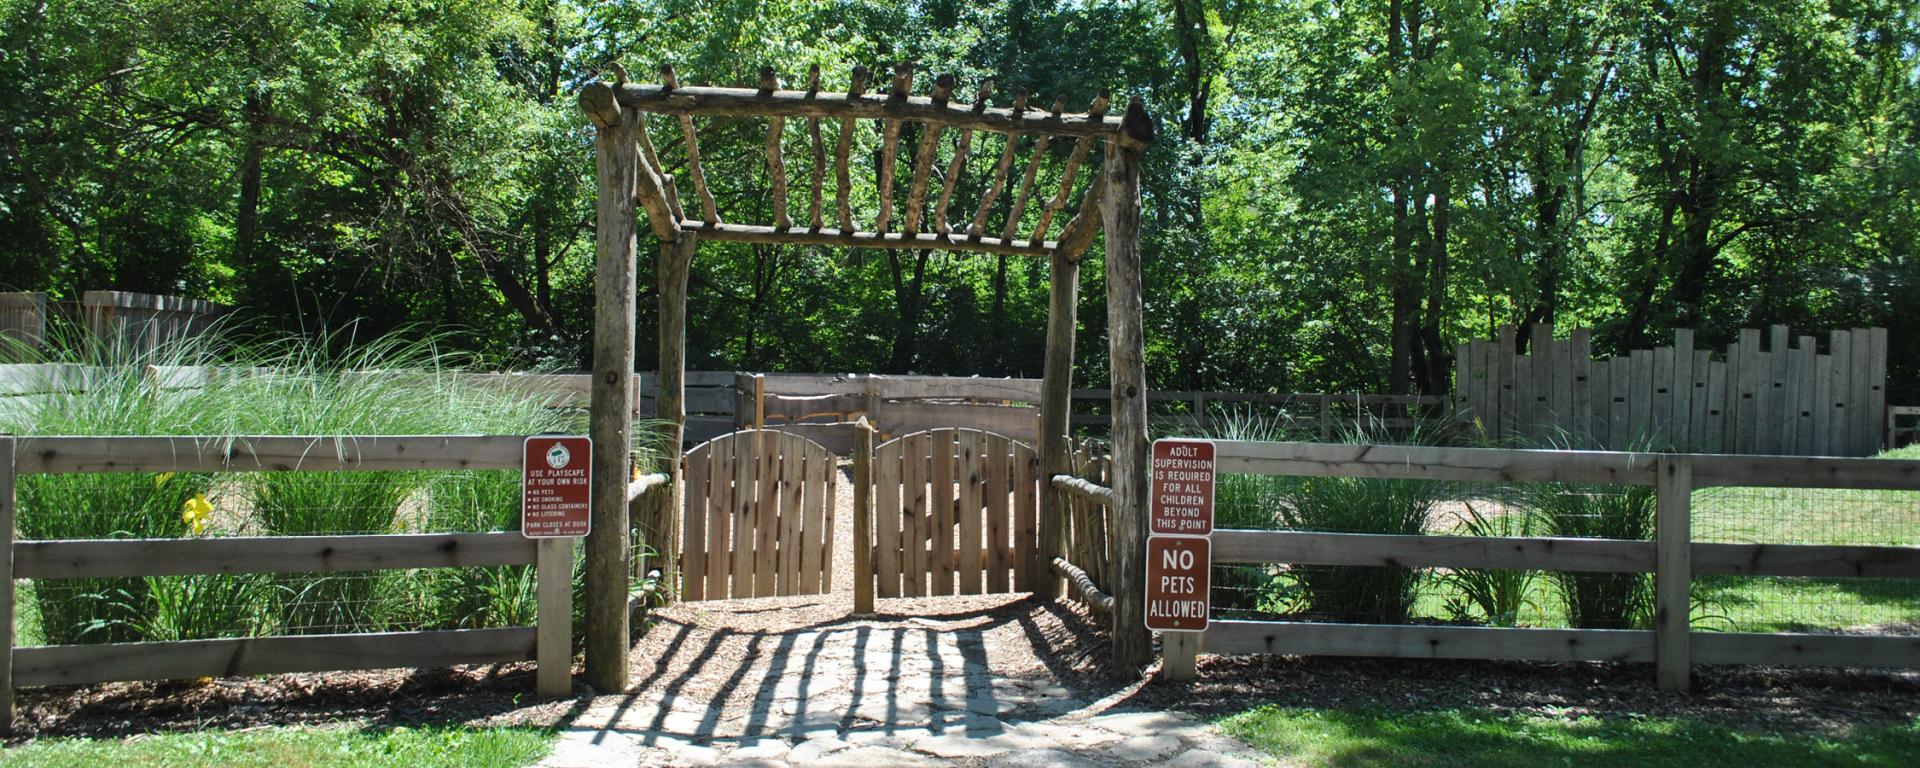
x=556, y=478
x=1180, y=550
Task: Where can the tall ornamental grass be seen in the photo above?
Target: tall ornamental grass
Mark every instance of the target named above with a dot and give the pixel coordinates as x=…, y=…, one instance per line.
x=382, y=386
x=1600, y=600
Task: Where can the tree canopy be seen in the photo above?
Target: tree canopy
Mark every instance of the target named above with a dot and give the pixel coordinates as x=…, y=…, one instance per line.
x=1341, y=192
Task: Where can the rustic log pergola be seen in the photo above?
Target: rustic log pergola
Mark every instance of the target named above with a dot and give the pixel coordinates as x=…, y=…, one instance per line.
x=631, y=179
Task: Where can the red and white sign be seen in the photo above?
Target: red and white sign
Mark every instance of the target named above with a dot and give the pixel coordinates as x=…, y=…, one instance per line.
x=1180, y=498
x=556, y=485
x=1177, y=583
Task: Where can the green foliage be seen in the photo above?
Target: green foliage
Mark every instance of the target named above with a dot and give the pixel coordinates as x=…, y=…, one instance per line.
x=1600, y=600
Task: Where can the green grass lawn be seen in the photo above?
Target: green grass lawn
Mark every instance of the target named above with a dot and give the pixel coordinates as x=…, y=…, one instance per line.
x=297, y=748
x=1443, y=739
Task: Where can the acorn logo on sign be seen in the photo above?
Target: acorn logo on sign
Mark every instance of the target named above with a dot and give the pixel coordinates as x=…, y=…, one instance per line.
x=558, y=456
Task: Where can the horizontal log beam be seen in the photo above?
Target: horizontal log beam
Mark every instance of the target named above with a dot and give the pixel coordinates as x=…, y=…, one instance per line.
x=748, y=102
x=267, y=453
x=1422, y=642
x=645, y=483
x=266, y=554
x=1083, y=488
x=239, y=657
x=746, y=233
x=1082, y=584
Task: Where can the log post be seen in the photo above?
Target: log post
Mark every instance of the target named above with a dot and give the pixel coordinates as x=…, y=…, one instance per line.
x=1120, y=213
x=617, y=165
x=7, y=478
x=1056, y=405
x=1673, y=572
x=669, y=401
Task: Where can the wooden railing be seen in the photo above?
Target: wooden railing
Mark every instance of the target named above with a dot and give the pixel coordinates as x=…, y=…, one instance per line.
x=1082, y=558
x=1672, y=557
x=549, y=643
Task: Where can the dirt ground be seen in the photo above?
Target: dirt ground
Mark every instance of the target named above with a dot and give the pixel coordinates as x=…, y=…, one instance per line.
x=731, y=652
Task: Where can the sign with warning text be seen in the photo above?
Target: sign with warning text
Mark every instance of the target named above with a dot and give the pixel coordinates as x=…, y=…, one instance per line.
x=1180, y=497
x=556, y=483
x=1177, y=583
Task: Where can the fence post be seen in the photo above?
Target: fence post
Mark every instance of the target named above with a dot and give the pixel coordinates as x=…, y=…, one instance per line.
x=6, y=583
x=1673, y=571
x=553, y=644
x=863, y=583
x=1179, y=656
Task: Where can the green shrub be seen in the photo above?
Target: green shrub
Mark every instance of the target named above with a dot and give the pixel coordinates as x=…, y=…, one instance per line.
x=1600, y=600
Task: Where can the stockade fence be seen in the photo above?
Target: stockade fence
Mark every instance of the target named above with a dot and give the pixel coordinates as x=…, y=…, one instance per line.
x=1674, y=557
x=548, y=642
x=1783, y=398
x=134, y=321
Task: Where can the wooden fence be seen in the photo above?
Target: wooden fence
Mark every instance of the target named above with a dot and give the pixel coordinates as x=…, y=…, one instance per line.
x=1672, y=557
x=1782, y=399
x=549, y=643
x=133, y=321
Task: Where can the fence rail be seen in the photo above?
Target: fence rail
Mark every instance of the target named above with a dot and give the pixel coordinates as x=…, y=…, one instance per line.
x=548, y=643
x=1672, y=557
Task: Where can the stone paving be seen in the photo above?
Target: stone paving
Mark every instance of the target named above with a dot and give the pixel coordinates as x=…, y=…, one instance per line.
x=885, y=693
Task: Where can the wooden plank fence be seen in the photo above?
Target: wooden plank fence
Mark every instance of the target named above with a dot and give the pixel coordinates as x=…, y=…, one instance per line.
x=1673, y=557
x=549, y=642
x=1780, y=397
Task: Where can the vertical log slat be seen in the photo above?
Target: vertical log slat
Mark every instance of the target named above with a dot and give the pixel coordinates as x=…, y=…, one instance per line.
x=1067, y=175
x=923, y=157
x=890, y=144
x=1026, y=181
x=958, y=166
x=709, y=212
x=819, y=153
x=776, y=167
x=845, y=147
x=1000, y=171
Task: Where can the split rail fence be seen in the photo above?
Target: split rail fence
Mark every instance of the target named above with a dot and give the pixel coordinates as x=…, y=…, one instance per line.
x=1785, y=398
x=549, y=643
x=1673, y=557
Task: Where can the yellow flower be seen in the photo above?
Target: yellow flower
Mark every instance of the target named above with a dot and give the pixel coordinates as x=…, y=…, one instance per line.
x=162, y=479
x=195, y=513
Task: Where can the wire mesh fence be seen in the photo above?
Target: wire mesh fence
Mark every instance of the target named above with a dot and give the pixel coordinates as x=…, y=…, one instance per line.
x=211, y=506
x=1362, y=594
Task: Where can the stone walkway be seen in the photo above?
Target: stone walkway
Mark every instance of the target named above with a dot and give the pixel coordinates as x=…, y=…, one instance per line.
x=906, y=692
x=991, y=680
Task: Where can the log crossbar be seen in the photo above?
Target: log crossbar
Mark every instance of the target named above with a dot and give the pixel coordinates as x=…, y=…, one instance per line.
x=935, y=117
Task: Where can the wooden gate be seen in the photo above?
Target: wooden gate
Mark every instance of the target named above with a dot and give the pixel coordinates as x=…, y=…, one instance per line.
x=758, y=517
x=954, y=509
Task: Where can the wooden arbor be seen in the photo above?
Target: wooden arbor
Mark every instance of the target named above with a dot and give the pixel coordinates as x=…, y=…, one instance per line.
x=632, y=179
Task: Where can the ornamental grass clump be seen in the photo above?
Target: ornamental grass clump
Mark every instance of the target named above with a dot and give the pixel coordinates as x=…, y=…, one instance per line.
x=1600, y=600
x=1378, y=595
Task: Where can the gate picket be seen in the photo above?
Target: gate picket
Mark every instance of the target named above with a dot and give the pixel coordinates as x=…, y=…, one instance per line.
x=968, y=475
x=940, y=562
x=917, y=527
x=996, y=485
x=887, y=518
x=693, y=560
